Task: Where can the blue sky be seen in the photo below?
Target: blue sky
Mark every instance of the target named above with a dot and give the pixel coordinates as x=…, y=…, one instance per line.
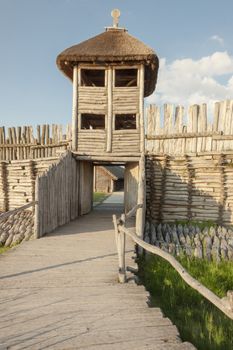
x=192, y=38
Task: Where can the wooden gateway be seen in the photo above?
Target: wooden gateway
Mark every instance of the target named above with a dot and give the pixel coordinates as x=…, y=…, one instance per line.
x=111, y=74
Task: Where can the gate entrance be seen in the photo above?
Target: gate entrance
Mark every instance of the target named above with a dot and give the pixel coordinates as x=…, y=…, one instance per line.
x=120, y=179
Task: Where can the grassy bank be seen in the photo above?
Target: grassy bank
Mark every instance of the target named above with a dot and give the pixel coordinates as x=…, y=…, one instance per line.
x=198, y=320
x=3, y=249
x=99, y=196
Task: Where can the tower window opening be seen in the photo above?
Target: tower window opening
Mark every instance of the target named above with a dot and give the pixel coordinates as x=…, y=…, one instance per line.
x=92, y=77
x=92, y=121
x=126, y=77
x=125, y=121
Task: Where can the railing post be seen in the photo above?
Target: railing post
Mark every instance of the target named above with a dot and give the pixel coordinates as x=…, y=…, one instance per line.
x=36, y=211
x=140, y=214
x=230, y=298
x=120, y=242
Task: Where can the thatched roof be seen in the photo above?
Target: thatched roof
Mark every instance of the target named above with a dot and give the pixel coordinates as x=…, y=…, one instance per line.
x=112, y=46
x=115, y=171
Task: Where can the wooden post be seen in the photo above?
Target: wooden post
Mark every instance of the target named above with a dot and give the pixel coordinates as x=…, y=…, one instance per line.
x=75, y=109
x=4, y=185
x=223, y=191
x=114, y=219
x=189, y=186
x=109, y=116
x=230, y=298
x=121, y=252
x=94, y=178
x=140, y=217
x=120, y=243
x=141, y=108
x=33, y=177
x=164, y=166
x=36, y=215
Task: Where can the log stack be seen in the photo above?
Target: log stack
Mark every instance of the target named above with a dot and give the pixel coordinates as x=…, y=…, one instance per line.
x=194, y=187
x=17, y=181
x=16, y=228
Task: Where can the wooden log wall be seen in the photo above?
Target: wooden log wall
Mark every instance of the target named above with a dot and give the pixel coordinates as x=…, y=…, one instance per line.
x=190, y=187
x=17, y=181
x=125, y=100
x=57, y=194
x=126, y=141
x=108, y=100
x=131, y=178
x=174, y=132
x=91, y=141
x=92, y=99
x=20, y=143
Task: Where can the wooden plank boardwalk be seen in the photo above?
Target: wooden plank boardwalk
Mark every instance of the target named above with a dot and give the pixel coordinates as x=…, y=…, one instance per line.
x=61, y=292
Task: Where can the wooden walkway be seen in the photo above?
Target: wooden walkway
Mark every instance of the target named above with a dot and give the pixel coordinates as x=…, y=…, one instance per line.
x=60, y=292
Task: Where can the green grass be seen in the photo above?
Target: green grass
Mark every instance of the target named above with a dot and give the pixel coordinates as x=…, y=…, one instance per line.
x=200, y=224
x=99, y=196
x=198, y=320
x=3, y=249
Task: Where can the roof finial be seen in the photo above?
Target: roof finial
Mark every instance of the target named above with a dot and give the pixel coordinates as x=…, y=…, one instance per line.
x=115, y=15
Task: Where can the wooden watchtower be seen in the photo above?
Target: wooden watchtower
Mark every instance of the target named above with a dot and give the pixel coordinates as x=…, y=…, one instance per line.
x=111, y=74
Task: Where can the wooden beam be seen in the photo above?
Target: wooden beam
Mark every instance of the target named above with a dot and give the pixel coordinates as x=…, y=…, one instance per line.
x=4, y=177
x=14, y=211
x=37, y=214
x=215, y=135
x=75, y=109
x=105, y=157
x=141, y=108
x=109, y=115
x=120, y=243
x=140, y=216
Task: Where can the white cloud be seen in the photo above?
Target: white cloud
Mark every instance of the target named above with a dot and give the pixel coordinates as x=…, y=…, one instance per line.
x=188, y=81
x=218, y=39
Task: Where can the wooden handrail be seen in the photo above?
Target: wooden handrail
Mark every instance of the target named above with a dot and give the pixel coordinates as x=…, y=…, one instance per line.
x=133, y=211
x=225, y=304
x=14, y=211
x=128, y=215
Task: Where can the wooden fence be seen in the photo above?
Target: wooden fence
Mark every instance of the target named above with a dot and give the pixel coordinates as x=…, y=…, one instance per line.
x=20, y=143
x=17, y=181
x=57, y=195
x=175, y=133
x=225, y=304
x=60, y=188
x=190, y=188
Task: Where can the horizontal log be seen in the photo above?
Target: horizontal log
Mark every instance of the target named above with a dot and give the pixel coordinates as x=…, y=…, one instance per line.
x=183, y=135
x=109, y=158
x=11, y=212
x=34, y=145
x=94, y=110
x=125, y=90
x=223, y=137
